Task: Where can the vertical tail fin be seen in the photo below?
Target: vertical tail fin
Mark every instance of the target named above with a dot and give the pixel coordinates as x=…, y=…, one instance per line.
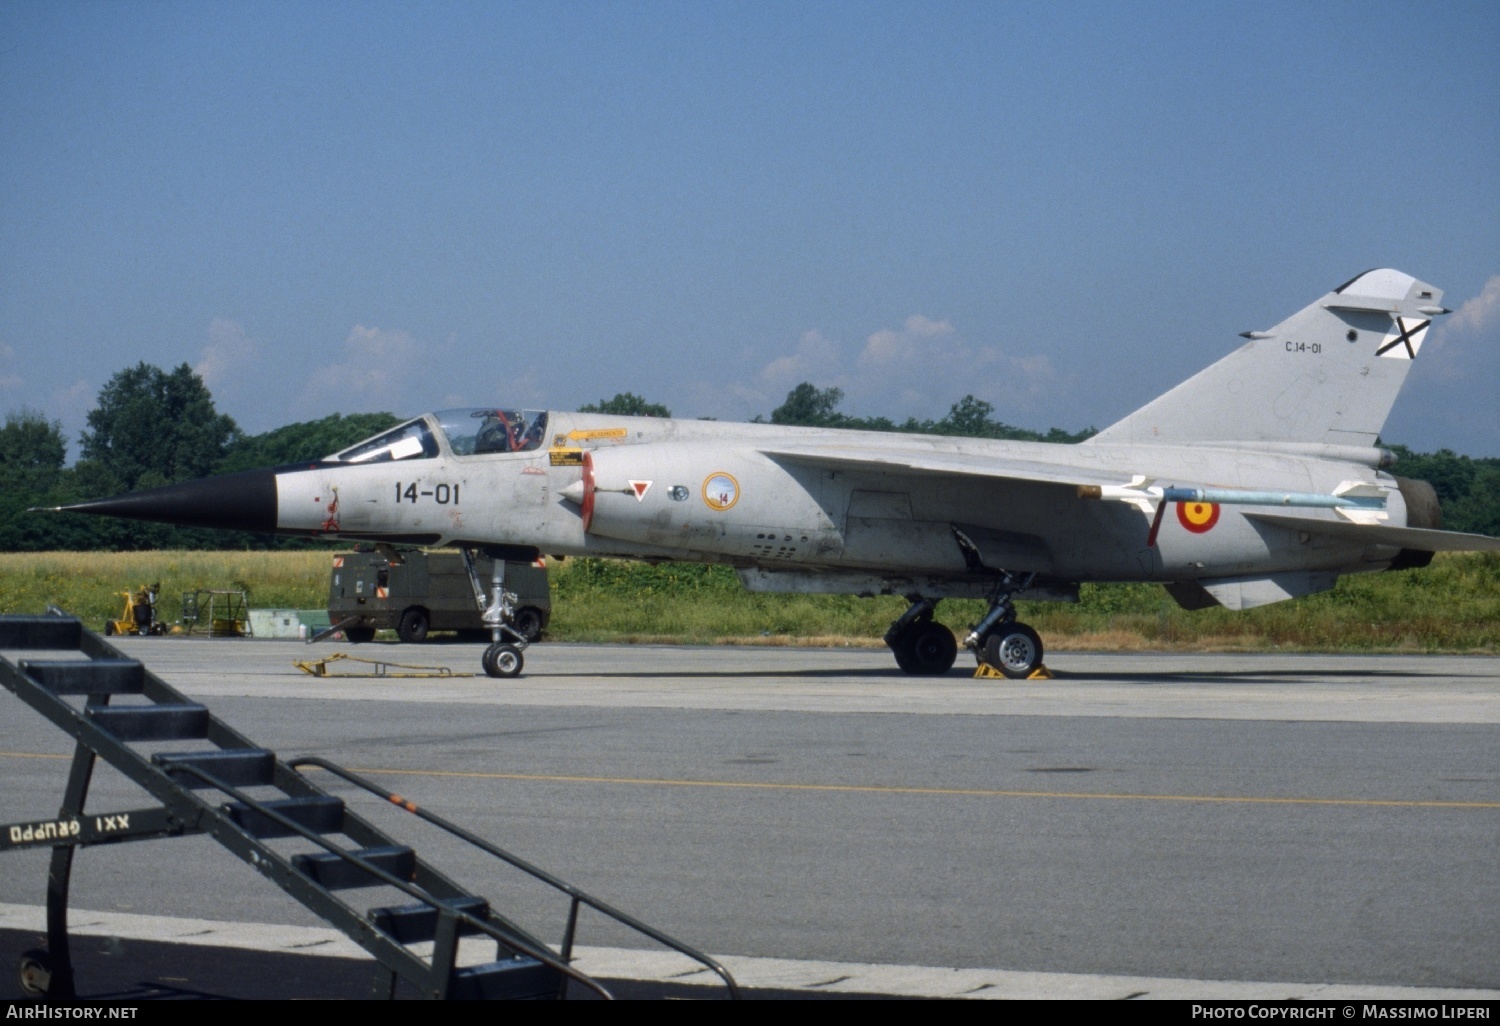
x=1328, y=374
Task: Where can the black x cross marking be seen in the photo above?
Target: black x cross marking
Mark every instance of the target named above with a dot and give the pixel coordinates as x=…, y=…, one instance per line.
x=1404, y=338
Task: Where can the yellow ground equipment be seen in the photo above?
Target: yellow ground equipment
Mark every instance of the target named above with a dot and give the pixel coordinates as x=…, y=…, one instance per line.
x=224, y=613
x=985, y=670
x=380, y=668
x=140, y=614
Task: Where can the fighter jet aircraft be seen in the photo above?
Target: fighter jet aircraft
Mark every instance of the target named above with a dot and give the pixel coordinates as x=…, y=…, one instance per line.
x=1257, y=480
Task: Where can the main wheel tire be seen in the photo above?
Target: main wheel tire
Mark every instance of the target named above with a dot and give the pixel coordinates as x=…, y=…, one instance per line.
x=413, y=626
x=932, y=650
x=902, y=649
x=109, y=628
x=528, y=622
x=926, y=649
x=359, y=635
x=35, y=973
x=503, y=661
x=1015, y=650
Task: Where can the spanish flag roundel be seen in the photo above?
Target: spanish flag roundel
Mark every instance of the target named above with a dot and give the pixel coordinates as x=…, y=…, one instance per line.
x=1198, y=517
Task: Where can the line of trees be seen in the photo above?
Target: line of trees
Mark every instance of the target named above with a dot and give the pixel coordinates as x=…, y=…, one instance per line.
x=153, y=427
x=969, y=417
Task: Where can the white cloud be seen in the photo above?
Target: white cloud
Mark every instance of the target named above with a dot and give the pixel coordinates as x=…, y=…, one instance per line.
x=230, y=351
x=8, y=380
x=378, y=369
x=1449, y=399
x=73, y=402
x=71, y=406
x=1451, y=353
x=816, y=358
x=920, y=334
x=1479, y=313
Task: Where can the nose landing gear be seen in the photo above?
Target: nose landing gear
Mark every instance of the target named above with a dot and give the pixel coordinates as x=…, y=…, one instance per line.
x=503, y=658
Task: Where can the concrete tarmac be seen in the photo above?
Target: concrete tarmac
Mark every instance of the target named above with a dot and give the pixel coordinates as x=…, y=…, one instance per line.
x=1156, y=824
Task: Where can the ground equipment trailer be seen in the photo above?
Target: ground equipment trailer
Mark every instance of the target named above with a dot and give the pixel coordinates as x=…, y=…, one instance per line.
x=271, y=815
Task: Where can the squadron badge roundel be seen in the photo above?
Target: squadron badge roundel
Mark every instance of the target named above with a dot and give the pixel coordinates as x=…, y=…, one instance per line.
x=1198, y=517
x=720, y=491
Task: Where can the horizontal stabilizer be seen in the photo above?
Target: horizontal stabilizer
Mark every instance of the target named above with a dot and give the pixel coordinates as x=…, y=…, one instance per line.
x=1418, y=538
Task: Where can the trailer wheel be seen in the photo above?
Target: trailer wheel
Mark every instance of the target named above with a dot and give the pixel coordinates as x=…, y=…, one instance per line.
x=35, y=972
x=413, y=626
x=528, y=622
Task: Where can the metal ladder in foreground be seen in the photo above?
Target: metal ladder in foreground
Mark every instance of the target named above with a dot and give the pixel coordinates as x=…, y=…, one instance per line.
x=208, y=790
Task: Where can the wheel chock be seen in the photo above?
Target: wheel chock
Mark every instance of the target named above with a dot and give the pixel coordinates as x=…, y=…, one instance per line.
x=985, y=670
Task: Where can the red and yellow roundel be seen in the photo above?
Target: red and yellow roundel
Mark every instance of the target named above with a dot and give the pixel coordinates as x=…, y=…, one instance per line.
x=1198, y=517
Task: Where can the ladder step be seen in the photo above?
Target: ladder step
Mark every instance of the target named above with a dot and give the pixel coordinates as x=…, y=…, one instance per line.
x=322, y=814
x=164, y=722
x=22, y=632
x=515, y=979
x=237, y=767
x=328, y=869
x=408, y=924
x=87, y=677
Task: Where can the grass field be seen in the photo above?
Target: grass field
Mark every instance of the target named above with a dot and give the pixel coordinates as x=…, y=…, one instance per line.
x=1451, y=606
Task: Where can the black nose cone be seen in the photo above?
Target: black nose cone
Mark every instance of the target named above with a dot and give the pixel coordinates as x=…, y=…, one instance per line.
x=234, y=502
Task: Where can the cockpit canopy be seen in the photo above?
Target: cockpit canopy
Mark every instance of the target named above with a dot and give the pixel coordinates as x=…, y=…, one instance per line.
x=473, y=432
x=467, y=432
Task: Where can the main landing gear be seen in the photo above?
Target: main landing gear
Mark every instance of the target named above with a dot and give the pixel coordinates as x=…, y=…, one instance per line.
x=1001, y=640
x=503, y=658
x=923, y=646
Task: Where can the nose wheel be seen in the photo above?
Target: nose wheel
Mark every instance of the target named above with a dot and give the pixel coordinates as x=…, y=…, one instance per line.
x=503, y=659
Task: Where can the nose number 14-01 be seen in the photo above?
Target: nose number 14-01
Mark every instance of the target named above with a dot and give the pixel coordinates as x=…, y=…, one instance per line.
x=442, y=494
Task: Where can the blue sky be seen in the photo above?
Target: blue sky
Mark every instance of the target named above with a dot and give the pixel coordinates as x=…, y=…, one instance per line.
x=1063, y=208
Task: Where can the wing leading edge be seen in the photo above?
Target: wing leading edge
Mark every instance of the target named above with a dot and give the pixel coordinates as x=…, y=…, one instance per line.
x=934, y=464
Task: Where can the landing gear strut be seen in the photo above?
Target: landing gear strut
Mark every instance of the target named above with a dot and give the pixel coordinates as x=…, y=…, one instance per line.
x=1001, y=640
x=503, y=658
x=923, y=646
